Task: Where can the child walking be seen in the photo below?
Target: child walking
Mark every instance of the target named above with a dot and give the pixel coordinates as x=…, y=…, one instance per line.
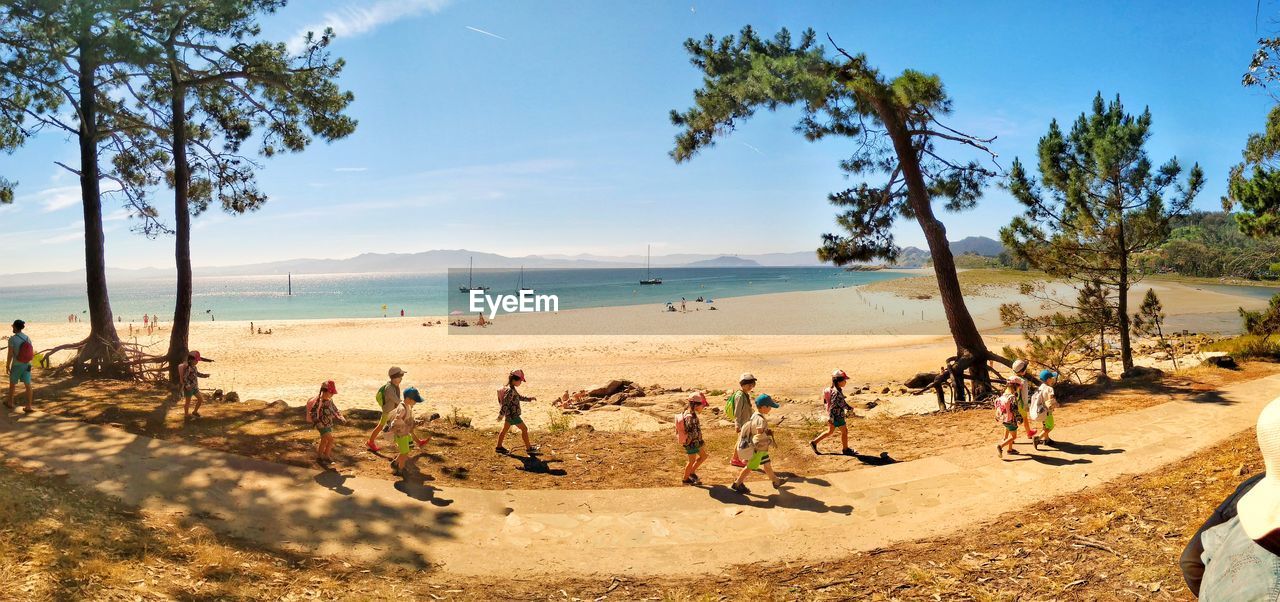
x=324, y=414
x=739, y=406
x=1042, y=405
x=509, y=412
x=692, y=442
x=389, y=398
x=402, y=427
x=1007, y=415
x=833, y=398
x=189, y=379
x=754, y=441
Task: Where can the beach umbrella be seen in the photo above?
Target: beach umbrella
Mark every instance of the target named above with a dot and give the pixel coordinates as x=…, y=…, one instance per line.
x=456, y=312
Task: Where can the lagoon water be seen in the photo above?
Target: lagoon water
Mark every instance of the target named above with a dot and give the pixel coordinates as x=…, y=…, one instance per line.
x=363, y=295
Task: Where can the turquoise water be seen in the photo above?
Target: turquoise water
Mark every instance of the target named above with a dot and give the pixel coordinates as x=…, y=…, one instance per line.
x=362, y=296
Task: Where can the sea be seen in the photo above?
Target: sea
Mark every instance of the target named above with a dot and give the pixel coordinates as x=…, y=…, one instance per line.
x=318, y=296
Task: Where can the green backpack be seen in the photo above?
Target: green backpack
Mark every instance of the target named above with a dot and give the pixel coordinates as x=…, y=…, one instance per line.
x=381, y=398
x=729, y=406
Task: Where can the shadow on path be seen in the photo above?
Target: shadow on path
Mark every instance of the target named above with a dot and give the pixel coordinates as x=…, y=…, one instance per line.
x=782, y=498
x=1081, y=449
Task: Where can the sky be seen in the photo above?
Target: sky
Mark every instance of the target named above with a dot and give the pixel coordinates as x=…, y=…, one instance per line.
x=542, y=127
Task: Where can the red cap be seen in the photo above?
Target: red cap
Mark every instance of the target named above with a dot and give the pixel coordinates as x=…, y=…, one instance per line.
x=839, y=374
x=520, y=375
x=698, y=398
x=330, y=387
x=194, y=355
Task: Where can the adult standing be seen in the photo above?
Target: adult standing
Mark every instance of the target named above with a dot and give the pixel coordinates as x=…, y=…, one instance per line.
x=17, y=364
x=1235, y=555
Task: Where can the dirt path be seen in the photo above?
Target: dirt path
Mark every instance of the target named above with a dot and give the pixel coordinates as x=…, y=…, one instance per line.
x=669, y=531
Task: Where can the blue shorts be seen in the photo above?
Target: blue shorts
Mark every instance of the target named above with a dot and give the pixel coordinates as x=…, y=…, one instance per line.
x=21, y=371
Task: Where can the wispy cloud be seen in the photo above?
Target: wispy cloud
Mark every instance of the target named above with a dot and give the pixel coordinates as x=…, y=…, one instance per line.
x=492, y=35
x=58, y=198
x=354, y=20
x=758, y=151
x=351, y=169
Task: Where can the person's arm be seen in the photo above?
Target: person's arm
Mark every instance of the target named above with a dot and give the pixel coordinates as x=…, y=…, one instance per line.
x=1190, y=563
x=8, y=359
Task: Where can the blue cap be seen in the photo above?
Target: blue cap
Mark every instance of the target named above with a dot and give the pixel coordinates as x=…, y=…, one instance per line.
x=412, y=393
x=763, y=399
x=1047, y=374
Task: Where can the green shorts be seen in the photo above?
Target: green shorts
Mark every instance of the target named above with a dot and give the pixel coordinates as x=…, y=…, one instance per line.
x=1048, y=421
x=514, y=421
x=20, y=372
x=838, y=423
x=1010, y=426
x=189, y=393
x=324, y=430
x=693, y=450
x=386, y=416
x=758, y=460
x=402, y=444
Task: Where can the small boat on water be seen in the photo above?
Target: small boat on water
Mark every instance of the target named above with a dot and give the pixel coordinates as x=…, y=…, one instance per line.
x=470, y=287
x=520, y=288
x=647, y=278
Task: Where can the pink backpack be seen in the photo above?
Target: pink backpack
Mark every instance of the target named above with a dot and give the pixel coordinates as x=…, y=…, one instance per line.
x=827, y=394
x=311, y=409
x=682, y=435
x=1004, y=409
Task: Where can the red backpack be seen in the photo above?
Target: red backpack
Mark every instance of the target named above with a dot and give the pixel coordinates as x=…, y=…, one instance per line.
x=26, y=352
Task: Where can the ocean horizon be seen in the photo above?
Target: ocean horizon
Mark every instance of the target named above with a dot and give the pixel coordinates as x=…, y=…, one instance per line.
x=327, y=296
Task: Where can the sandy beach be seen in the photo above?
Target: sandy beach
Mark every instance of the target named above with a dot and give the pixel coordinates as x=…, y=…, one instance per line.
x=878, y=337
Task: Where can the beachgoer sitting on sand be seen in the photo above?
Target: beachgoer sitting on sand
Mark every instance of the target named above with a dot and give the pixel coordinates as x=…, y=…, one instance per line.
x=481, y=321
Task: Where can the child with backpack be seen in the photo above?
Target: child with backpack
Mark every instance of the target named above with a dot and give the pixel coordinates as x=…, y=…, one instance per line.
x=322, y=414
x=739, y=407
x=1007, y=415
x=1041, y=406
x=402, y=426
x=18, y=365
x=689, y=434
x=509, y=412
x=834, y=401
x=754, y=441
x=388, y=398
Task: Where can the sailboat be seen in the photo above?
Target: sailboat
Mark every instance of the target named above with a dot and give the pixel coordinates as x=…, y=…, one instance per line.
x=647, y=278
x=469, y=287
x=520, y=288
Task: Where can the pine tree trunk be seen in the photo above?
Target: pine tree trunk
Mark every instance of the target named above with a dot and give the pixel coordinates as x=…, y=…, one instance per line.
x=180, y=334
x=1122, y=304
x=963, y=329
x=101, y=354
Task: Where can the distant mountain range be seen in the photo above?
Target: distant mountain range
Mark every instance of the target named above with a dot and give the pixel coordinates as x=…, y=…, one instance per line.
x=442, y=260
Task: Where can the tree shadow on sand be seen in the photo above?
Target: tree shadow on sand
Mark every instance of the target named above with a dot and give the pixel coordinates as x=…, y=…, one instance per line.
x=782, y=498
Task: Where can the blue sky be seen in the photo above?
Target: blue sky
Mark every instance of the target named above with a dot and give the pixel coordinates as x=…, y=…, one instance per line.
x=547, y=131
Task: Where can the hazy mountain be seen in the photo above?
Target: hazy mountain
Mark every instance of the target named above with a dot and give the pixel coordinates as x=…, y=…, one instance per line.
x=977, y=245
x=724, y=261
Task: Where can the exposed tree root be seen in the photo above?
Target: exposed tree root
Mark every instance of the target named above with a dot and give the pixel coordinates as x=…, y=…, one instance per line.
x=101, y=357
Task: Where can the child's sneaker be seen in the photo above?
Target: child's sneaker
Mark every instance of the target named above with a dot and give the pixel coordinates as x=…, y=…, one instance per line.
x=373, y=447
x=1036, y=443
x=687, y=481
x=696, y=480
x=501, y=450
x=848, y=451
x=1000, y=451
x=1048, y=441
x=738, y=463
x=532, y=449
x=740, y=488
x=777, y=483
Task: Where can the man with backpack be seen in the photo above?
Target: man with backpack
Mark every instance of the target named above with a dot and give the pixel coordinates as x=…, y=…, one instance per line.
x=17, y=364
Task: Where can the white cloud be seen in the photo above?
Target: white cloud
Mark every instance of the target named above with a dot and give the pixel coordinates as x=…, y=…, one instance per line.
x=58, y=198
x=117, y=215
x=353, y=20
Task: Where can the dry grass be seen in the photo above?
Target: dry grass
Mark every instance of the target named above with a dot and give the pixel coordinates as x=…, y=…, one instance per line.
x=981, y=282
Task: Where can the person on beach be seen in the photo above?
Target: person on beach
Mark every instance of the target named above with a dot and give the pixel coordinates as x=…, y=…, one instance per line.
x=189, y=380
x=739, y=406
x=837, y=407
x=322, y=413
x=1235, y=555
x=1007, y=415
x=693, y=442
x=509, y=412
x=17, y=364
x=1040, y=408
x=754, y=440
x=402, y=427
x=388, y=398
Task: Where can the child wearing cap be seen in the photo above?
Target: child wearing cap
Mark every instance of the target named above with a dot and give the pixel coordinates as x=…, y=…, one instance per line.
x=1007, y=415
x=1046, y=400
x=322, y=412
x=388, y=398
x=754, y=441
x=836, y=405
x=509, y=411
x=188, y=379
x=402, y=429
x=1025, y=381
x=693, y=443
x=739, y=407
